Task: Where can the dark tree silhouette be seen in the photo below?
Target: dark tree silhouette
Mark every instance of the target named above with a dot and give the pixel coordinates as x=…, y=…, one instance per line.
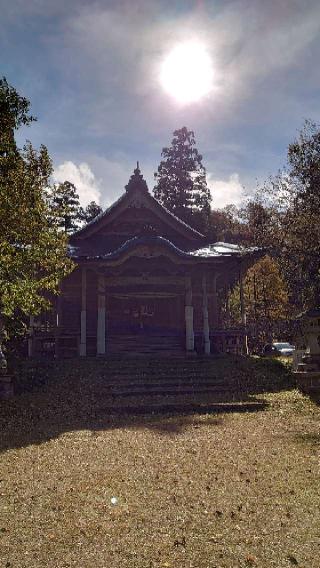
x=181, y=184
x=90, y=212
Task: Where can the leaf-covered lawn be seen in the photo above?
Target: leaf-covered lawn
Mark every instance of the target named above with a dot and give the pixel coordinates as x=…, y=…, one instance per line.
x=225, y=490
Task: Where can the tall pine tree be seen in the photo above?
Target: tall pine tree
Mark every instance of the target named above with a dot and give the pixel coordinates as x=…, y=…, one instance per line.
x=181, y=184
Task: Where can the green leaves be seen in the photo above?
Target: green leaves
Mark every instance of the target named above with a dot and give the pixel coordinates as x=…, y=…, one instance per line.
x=32, y=250
x=283, y=218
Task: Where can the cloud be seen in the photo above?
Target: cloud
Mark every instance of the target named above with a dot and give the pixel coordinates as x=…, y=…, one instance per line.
x=94, y=83
x=226, y=192
x=82, y=177
x=122, y=45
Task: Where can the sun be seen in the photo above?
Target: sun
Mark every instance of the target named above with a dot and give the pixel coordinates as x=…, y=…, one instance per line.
x=187, y=72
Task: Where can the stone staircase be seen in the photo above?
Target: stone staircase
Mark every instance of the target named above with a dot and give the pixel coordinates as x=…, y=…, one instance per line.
x=145, y=345
x=149, y=385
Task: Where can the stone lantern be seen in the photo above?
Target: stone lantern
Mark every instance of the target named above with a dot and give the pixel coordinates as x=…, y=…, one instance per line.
x=307, y=370
x=310, y=328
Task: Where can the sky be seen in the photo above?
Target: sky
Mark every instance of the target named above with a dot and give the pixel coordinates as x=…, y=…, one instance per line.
x=91, y=70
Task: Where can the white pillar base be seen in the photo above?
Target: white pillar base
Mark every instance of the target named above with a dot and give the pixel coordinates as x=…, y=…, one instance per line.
x=215, y=318
x=206, y=332
x=83, y=336
x=207, y=347
x=101, y=332
x=189, y=328
x=101, y=318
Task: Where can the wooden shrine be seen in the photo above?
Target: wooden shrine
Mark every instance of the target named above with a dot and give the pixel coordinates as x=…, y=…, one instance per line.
x=144, y=282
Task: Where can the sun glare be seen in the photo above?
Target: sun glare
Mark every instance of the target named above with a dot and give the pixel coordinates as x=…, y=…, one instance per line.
x=186, y=73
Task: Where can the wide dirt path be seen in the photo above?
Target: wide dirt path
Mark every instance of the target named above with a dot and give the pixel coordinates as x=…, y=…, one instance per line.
x=227, y=490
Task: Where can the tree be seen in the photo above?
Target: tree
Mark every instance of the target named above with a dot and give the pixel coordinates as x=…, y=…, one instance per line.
x=256, y=218
x=284, y=218
x=65, y=205
x=225, y=225
x=304, y=164
x=181, y=181
x=90, y=212
x=266, y=299
x=32, y=250
x=266, y=291
x=14, y=112
x=301, y=223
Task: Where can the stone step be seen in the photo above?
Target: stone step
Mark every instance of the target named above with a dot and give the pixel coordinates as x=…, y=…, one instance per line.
x=175, y=367
x=144, y=344
x=168, y=391
x=190, y=359
x=146, y=398
x=143, y=341
x=161, y=375
x=164, y=382
x=181, y=408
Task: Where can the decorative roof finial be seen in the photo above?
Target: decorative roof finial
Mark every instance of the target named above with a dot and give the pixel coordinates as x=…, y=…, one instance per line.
x=136, y=181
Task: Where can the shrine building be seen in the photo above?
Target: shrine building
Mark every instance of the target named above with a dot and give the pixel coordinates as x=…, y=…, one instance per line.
x=144, y=282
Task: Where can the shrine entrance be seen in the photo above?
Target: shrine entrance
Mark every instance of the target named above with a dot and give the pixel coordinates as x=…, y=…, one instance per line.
x=144, y=281
x=144, y=322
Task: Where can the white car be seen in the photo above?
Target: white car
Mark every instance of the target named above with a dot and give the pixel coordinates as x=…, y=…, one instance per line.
x=278, y=349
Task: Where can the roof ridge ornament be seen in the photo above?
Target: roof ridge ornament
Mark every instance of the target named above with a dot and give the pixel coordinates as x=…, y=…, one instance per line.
x=136, y=181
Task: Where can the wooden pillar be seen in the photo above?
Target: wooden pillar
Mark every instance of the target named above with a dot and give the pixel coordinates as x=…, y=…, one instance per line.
x=206, y=329
x=101, y=319
x=83, y=315
x=189, y=316
x=215, y=312
x=31, y=337
x=243, y=312
x=227, y=307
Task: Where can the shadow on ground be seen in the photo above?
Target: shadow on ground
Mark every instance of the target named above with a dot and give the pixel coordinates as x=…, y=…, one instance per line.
x=57, y=397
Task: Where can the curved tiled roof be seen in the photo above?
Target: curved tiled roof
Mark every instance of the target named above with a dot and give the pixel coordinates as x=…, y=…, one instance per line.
x=211, y=251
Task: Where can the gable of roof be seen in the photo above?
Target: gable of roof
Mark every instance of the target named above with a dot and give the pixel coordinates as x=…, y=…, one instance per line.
x=137, y=196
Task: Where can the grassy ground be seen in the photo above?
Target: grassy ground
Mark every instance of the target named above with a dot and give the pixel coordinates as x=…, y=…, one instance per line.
x=216, y=490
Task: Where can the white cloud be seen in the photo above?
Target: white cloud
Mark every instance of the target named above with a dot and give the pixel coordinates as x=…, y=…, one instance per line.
x=104, y=180
x=88, y=187
x=226, y=192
